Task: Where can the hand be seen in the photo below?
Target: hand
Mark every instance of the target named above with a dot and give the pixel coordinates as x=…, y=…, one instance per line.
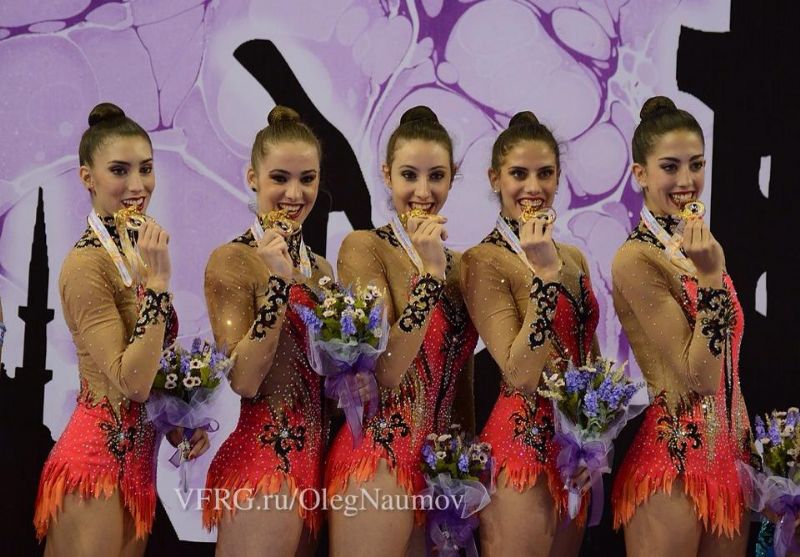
x=428, y=236
x=366, y=388
x=704, y=251
x=274, y=252
x=536, y=239
x=152, y=245
x=581, y=481
x=198, y=442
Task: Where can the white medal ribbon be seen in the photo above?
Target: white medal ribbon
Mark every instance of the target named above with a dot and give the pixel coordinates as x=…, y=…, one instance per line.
x=405, y=241
x=672, y=244
x=305, y=260
x=513, y=241
x=99, y=229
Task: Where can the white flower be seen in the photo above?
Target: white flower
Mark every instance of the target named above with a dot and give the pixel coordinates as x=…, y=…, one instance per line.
x=360, y=314
x=431, y=437
x=328, y=302
x=349, y=300
x=195, y=364
x=377, y=333
x=324, y=281
x=169, y=385
x=368, y=297
x=441, y=455
x=372, y=289
x=328, y=313
x=445, y=437
x=172, y=377
x=188, y=382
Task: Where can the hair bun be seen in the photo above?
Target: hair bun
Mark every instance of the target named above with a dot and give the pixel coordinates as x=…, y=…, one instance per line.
x=524, y=118
x=282, y=114
x=418, y=114
x=655, y=106
x=104, y=112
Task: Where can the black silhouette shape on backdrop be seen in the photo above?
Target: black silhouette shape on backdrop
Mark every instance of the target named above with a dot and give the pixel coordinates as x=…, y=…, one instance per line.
x=342, y=186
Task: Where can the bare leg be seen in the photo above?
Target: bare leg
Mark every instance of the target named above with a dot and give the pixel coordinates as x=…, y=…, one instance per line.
x=87, y=527
x=257, y=532
x=517, y=523
x=568, y=539
x=416, y=545
x=372, y=531
x=664, y=526
x=712, y=545
x=307, y=546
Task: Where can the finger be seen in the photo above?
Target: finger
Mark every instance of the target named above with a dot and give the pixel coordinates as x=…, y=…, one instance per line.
x=198, y=448
x=538, y=228
x=163, y=238
x=197, y=436
x=412, y=225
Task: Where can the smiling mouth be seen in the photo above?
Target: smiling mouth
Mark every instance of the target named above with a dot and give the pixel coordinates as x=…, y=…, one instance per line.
x=137, y=202
x=292, y=210
x=682, y=198
x=424, y=207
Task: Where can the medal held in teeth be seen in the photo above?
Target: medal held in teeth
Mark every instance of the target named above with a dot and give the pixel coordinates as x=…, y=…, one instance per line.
x=279, y=219
x=530, y=212
x=693, y=210
x=414, y=214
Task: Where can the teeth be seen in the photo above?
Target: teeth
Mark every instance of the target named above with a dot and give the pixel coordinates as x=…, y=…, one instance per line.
x=535, y=203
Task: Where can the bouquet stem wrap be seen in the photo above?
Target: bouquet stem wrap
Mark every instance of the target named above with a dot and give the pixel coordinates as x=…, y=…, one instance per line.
x=169, y=412
x=779, y=495
x=450, y=526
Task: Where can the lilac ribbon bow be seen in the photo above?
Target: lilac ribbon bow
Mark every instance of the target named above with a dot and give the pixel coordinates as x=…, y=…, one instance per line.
x=594, y=456
x=343, y=387
x=788, y=508
x=449, y=533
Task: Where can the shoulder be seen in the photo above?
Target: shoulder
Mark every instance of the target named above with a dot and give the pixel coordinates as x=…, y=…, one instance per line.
x=483, y=253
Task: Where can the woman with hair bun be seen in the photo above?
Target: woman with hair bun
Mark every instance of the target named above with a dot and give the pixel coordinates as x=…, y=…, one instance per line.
x=677, y=491
x=532, y=302
x=97, y=493
x=263, y=477
x=430, y=342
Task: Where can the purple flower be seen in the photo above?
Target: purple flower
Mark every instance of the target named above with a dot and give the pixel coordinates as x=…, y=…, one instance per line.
x=610, y=392
x=463, y=463
x=430, y=458
x=761, y=433
x=348, y=326
x=307, y=315
x=196, y=345
x=591, y=403
x=163, y=364
x=792, y=417
x=774, y=432
x=185, y=363
x=575, y=380
x=375, y=316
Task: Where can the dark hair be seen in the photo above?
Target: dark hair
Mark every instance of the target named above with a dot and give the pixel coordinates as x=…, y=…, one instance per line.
x=524, y=126
x=659, y=116
x=419, y=122
x=107, y=120
x=283, y=124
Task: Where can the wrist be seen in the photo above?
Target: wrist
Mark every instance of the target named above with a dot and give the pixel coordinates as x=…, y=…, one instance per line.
x=551, y=273
x=710, y=280
x=157, y=284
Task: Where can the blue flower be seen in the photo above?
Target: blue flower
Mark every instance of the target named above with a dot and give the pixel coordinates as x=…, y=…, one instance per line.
x=774, y=432
x=163, y=364
x=575, y=381
x=307, y=315
x=591, y=403
x=375, y=316
x=430, y=458
x=792, y=417
x=196, y=345
x=348, y=326
x=185, y=363
x=761, y=433
x=463, y=463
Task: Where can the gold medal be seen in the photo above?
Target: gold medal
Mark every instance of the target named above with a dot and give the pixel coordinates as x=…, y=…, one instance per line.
x=130, y=218
x=548, y=214
x=693, y=210
x=279, y=219
x=414, y=214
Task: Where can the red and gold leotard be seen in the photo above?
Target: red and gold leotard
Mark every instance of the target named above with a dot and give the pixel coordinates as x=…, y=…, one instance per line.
x=526, y=324
x=680, y=332
x=279, y=436
x=108, y=443
x=432, y=331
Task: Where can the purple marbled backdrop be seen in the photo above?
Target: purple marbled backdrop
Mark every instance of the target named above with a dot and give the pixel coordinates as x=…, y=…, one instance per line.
x=584, y=67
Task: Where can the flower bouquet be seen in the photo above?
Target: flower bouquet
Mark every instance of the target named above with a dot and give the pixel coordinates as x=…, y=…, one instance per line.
x=459, y=478
x=184, y=391
x=776, y=488
x=347, y=332
x=591, y=405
